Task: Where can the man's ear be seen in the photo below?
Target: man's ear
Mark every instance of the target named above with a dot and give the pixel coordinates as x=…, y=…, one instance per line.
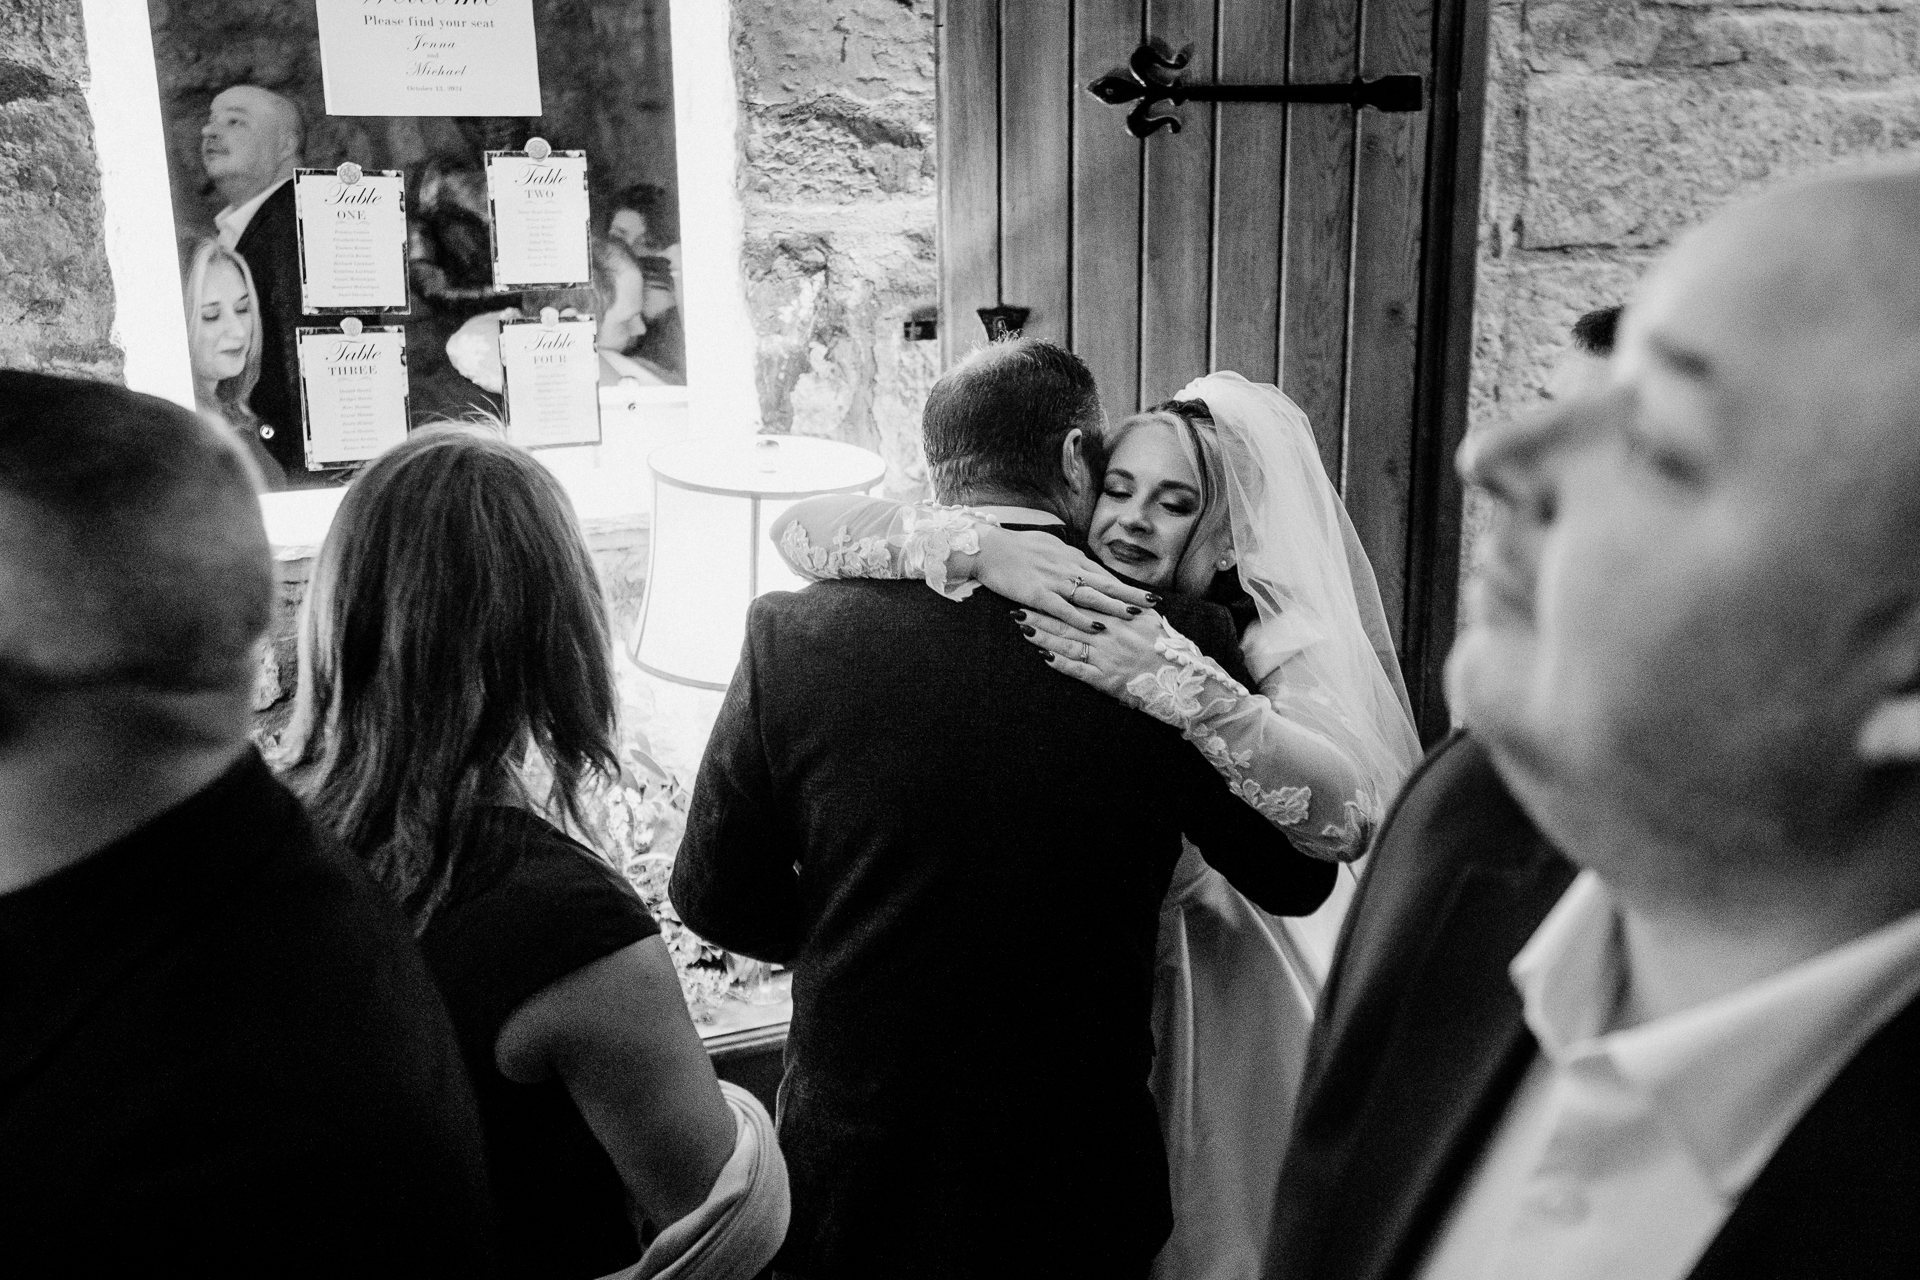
x=1073, y=462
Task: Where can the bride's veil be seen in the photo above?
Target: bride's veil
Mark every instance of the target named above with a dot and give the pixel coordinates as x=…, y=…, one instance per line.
x=1301, y=561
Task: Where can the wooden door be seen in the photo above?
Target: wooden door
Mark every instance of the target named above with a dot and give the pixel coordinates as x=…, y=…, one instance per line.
x=1294, y=243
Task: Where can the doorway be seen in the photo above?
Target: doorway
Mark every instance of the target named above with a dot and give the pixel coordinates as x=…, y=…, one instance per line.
x=1316, y=245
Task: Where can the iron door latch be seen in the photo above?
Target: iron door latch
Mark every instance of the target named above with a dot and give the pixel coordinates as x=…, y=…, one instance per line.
x=1153, y=76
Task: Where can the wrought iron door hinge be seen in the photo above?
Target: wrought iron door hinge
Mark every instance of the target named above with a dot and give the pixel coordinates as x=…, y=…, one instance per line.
x=1153, y=76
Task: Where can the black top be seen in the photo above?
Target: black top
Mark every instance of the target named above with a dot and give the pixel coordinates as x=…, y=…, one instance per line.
x=1420, y=1042
x=982, y=845
x=220, y=1054
x=528, y=907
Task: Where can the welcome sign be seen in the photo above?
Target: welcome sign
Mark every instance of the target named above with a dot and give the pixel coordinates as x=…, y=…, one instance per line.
x=429, y=57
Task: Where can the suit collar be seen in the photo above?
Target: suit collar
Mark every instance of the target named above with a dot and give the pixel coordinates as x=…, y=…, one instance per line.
x=234, y=220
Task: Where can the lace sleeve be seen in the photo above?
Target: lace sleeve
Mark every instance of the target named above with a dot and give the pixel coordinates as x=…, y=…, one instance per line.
x=1295, y=775
x=854, y=536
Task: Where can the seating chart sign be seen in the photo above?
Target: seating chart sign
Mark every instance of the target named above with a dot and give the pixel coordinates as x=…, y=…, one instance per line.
x=538, y=201
x=353, y=392
x=353, y=239
x=553, y=381
x=415, y=58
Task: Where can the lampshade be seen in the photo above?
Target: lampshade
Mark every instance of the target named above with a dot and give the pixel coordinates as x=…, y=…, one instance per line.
x=713, y=501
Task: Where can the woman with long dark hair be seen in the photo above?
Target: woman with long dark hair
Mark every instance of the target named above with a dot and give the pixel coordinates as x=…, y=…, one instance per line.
x=454, y=633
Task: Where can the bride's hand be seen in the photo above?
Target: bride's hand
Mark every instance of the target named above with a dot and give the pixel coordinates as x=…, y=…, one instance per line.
x=1038, y=570
x=1106, y=653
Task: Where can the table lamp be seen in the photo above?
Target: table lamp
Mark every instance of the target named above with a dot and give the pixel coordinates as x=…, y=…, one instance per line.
x=713, y=502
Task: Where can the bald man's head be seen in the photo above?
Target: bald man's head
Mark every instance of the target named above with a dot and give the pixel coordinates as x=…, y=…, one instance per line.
x=252, y=140
x=132, y=552
x=1716, y=632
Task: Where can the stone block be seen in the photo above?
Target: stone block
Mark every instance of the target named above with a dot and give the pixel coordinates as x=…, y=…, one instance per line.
x=1819, y=48
x=56, y=293
x=1524, y=313
x=832, y=149
x=47, y=36
x=1618, y=162
x=1829, y=6
x=864, y=49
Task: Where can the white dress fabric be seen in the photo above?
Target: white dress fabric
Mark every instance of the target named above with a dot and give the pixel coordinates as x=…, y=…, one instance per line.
x=1233, y=1000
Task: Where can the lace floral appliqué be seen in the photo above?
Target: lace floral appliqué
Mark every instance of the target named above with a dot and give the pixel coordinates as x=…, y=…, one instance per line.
x=1186, y=693
x=930, y=536
x=846, y=558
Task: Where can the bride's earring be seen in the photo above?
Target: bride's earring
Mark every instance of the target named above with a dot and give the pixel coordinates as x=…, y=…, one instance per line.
x=1226, y=563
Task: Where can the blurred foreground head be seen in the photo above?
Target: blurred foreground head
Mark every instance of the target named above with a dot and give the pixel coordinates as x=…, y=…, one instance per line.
x=134, y=568
x=1697, y=654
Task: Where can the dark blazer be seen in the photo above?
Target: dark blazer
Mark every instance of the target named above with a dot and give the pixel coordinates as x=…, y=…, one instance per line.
x=221, y=1054
x=271, y=246
x=962, y=854
x=1420, y=1044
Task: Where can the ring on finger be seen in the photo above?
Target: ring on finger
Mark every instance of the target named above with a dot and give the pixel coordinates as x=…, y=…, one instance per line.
x=1072, y=591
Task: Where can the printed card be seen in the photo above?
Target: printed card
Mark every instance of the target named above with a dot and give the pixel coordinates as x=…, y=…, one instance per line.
x=553, y=382
x=411, y=58
x=353, y=393
x=353, y=240
x=540, y=219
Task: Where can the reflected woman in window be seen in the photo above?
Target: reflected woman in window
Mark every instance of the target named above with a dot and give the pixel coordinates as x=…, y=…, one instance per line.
x=454, y=635
x=223, y=343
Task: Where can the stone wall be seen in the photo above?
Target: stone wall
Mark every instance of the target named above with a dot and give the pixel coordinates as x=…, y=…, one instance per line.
x=1612, y=125
x=56, y=295
x=837, y=190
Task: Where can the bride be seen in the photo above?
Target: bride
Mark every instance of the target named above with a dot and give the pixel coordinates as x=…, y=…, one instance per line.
x=1220, y=493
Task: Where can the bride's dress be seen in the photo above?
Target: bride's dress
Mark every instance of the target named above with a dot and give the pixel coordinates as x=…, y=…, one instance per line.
x=1233, y=1000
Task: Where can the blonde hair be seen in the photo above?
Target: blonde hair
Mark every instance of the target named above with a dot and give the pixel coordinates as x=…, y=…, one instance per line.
x=230, y=394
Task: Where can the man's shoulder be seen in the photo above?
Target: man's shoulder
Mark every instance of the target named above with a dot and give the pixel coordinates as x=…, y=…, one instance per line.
x=1456, y=798
x=275, y=224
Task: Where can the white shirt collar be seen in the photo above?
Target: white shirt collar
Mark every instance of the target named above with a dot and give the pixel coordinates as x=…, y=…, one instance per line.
x=1730, y=1076
x=232, y=221
x=1018, y=515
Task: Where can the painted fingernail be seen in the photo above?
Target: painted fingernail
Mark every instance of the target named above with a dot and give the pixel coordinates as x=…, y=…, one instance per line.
x=1025, y=630
x=1133, y=611
x=1018, y=615
x=1046, y=655
x=1151, y=599
x=1099, y=626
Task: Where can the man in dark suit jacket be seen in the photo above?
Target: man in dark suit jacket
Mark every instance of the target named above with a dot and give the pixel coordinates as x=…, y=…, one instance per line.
x=1678, y=1034
x=220, y=1052
x=251, y=144
x=962, y=855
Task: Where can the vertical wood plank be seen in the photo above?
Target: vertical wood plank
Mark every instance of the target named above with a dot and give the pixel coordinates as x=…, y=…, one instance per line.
x=968, y=84
x=1107, y=174
x=1248, y=193
x=1396, y=37
x=1036, y=171
x=1177, y=230
x=1317, y=252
